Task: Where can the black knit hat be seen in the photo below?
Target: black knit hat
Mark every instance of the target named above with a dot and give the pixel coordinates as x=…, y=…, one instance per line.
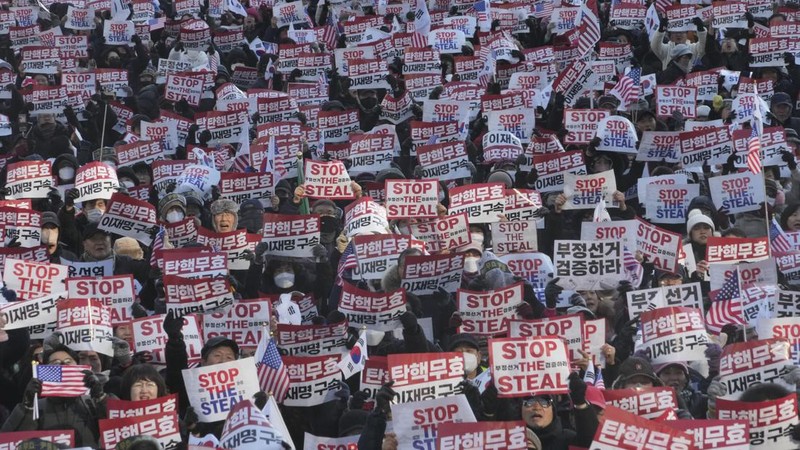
x=635, y=366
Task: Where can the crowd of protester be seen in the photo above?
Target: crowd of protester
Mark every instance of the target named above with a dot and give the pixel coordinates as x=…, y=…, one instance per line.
x=80, y=135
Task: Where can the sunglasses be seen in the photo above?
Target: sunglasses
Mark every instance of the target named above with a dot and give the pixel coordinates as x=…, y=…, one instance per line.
x=541, y=401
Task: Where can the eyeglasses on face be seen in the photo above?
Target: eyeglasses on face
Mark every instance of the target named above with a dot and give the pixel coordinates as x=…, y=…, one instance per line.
x=541, y=401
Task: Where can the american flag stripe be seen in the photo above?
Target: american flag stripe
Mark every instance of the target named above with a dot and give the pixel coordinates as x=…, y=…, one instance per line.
x=346, y=262
x=628, y=88
x=724, y=312
x=418, y=40
x=590, y=31
x=158, y=246
x=730, y=288
x=778, y=239
x=272, y=375
x=754, y=152
x=62, y=381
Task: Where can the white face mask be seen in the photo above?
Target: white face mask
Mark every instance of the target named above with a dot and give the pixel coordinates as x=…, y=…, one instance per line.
x=471, y=264
x=128, y=184
x=49, y=236
x=174, y=216
x=374, y=337
x=470, y=362
x=93, y=215
x=284, y=280
x=66, y=173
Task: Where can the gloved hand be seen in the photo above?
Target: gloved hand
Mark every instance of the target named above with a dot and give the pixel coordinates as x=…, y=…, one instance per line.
x=69, y=197
x=524, y=310
x=320, y=253
x=791, y=374
x=698, y=22
x=91, y=381
x=455, y=320
x=343, y=393
x=472, y=393
x=789, y=159
x=409, y=320
x=260, y=399
x=577, y=389
x=788, y=58
x=489, y=400
x=551, y=293
x=358, y=399
x=384, y=397
x=713, y=352
x=138, y=310
x=261, y=248
x=122, y=351
x=624, y=287
x=173, y=326
x=34, y=387
x=54, y=340
x=190, y=419
x=248, y=255
x=663, y=23
x=751, y=21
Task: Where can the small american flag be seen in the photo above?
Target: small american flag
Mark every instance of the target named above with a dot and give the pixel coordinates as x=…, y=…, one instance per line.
x=634, y=272
x=598, y=382
x=724, y=312
x=330, y=33
x=778, y=240
x=628, y=88
x=418, y=40
x=61, y=381
x=754, y=151
x=590, y=31
x=158, y=245
x=346, y=262
x=272, y=375
x=241, y=163
x=730, y=288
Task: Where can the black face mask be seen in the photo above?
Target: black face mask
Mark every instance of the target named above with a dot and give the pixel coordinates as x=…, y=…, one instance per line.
x=368, y=102
x=329, y=228
x=114, y=63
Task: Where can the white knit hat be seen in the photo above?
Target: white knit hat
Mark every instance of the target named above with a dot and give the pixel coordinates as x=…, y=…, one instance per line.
x=695, y=217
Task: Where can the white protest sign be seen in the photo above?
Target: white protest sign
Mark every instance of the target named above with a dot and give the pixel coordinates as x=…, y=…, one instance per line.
x=214, y=390
x=521, y=366
x=569, y=327
x=514, y=237
x=416, y=423
x=617, y=134
x=485, y=313
x=659, y=146
x=674, y=334
x=668, y=203
x=118, y=32
x=675, y=98
x=411, y=199
x=659, y=246
x=85, y=325
x=31, y=279
x=583, y=265
x=586, y=191
x=737, y=192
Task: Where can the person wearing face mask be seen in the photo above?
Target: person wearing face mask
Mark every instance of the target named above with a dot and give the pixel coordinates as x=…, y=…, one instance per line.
x=127, y=178
x=64, y=168
x=330, y=222
x=172, y=208
x=679, y=66
x=51, y=228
